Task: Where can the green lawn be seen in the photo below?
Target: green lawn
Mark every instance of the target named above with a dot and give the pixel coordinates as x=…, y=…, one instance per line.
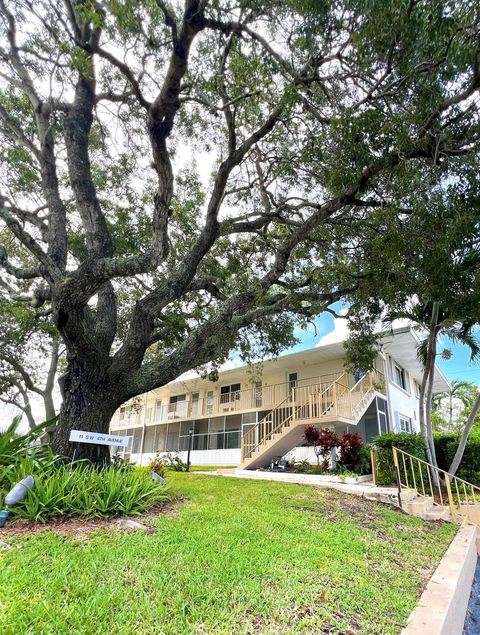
x=210, y=468
x=238, y=557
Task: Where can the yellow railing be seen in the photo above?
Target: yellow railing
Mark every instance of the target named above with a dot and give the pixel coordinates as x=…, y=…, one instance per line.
x=211, y=405
x=316, y=401
x=272, y=423
x=443, y=488
x=374, y=463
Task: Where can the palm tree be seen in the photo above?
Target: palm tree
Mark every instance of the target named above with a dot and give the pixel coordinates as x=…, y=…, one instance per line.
x=460, y=392
x=437, y=322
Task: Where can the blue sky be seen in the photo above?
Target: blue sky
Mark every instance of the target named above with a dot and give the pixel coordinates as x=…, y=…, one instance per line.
x=458, y=367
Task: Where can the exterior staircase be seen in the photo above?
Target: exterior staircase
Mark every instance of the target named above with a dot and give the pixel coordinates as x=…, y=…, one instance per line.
x=424, y=507
x=325, y=402
x=434, y=494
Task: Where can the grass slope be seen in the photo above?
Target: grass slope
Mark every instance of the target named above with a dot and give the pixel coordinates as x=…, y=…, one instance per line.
x=239, y=557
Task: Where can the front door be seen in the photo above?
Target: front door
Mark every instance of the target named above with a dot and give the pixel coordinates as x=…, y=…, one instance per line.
x=195, y=404
x=292, y=382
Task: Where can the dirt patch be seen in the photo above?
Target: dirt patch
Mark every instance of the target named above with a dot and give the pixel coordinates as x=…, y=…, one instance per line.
x=85, y=526
x=361, y=510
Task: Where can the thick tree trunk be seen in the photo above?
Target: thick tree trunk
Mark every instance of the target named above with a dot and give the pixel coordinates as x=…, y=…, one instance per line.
x=463, y=441
x=89, y=402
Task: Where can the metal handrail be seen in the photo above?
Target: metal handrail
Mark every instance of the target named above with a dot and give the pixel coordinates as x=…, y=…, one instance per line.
x=406, y=480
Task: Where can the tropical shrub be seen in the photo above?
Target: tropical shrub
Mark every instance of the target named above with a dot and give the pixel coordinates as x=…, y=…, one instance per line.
x=121, y=462
x=323, y=441
x=88, y=492
x=365, y=461
x=411, y=443
x=446, y=445
x=350, y=444
x=158, y=465
x=302, y=467
x=173, y=461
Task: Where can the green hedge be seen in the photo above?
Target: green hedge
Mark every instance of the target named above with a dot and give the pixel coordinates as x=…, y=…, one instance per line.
x=411, y=443
x=446, y=445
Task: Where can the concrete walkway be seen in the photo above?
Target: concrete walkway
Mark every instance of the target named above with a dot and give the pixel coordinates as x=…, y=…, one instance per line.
x=365, y=490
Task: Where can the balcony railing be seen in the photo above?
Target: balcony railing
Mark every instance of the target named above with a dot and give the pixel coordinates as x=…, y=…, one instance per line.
x=254, y=398
x=319, y=401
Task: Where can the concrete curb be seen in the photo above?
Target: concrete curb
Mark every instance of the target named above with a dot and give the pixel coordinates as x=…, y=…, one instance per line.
x=443, y=605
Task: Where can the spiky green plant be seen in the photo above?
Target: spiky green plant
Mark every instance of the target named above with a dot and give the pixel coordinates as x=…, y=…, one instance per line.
x=14, y=446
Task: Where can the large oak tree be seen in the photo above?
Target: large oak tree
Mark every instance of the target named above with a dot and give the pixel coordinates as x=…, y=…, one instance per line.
x=309, y=116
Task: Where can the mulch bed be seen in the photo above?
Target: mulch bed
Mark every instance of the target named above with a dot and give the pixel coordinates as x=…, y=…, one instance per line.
x=82, y=526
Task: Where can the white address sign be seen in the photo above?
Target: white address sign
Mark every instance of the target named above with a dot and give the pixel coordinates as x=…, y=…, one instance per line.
x=81, y=436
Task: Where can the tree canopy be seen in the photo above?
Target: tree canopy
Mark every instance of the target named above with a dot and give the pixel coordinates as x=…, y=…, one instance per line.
x=187, y=178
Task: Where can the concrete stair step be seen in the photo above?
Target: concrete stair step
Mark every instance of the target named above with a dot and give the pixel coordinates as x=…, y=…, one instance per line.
x=419, y=506
x=438, y=513
x=408, y=495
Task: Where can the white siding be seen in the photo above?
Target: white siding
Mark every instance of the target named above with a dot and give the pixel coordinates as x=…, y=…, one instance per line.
x=402, y=402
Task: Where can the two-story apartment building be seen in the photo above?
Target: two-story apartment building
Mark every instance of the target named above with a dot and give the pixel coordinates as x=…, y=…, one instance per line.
x=246, y=417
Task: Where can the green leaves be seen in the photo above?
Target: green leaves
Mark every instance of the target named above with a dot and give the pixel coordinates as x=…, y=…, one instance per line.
x=14, y=446
x=250, y=163
x=63, y=491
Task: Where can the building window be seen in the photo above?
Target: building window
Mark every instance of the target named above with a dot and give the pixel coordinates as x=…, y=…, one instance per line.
x=173, y=436
x=229, y=393
x=178, y=405
x=176, y=398
x=370, y=423
x=209, y=402
x=399, y=376
x=195, y=404
x=382, y=412
x=405, y=423
x=137, y=436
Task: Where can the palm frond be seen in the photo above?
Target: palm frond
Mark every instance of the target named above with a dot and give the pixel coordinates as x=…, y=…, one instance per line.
x=422, y=351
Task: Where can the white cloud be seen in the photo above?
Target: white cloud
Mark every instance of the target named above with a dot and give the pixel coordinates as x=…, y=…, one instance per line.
x=339, y=332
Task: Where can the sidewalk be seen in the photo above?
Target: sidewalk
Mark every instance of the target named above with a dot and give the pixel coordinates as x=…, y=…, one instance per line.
x=366, y=490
